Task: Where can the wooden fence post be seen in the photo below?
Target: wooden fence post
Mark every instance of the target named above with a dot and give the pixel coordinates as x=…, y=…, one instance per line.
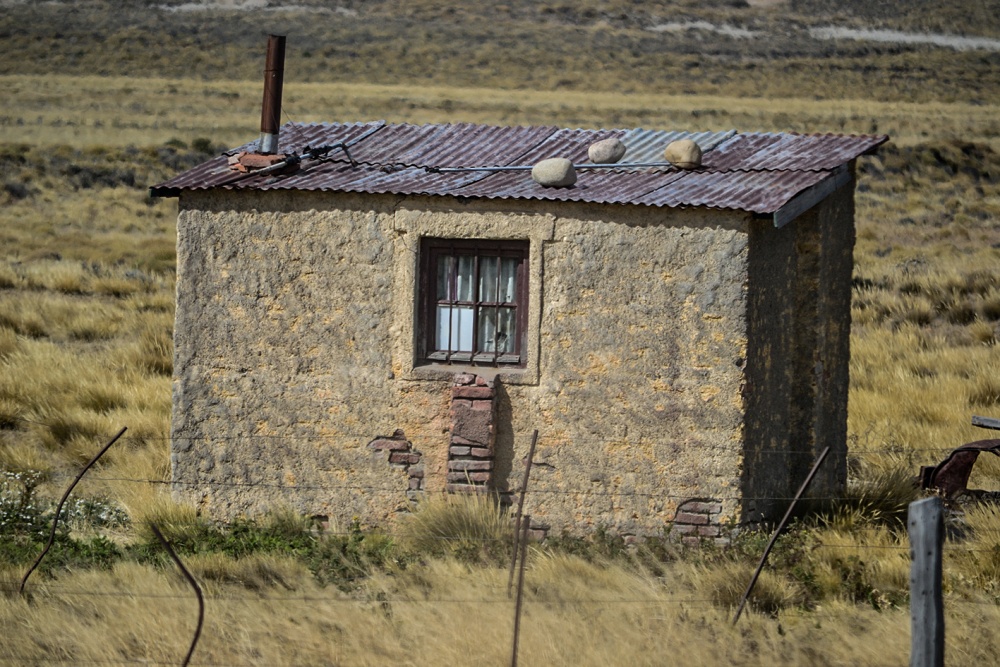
x=925, y=523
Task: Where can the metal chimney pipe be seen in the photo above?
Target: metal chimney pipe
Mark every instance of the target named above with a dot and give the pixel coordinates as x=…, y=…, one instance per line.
x=270, y=113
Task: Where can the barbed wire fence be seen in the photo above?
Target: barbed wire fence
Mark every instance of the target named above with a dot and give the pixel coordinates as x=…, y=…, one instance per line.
x=688, y=602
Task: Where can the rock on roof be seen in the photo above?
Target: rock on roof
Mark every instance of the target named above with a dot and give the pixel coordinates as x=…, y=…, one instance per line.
x=764, y=173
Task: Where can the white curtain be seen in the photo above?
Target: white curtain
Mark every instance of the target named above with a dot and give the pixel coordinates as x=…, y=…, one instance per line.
x=497, y=284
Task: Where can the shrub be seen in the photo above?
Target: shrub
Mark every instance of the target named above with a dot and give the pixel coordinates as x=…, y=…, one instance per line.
x=26, y=525
x=601, y=545
x=339, y=559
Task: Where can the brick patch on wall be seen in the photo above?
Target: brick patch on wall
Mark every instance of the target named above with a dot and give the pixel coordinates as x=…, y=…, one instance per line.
x=402, y=455
x=471, y=449
x=697, y=520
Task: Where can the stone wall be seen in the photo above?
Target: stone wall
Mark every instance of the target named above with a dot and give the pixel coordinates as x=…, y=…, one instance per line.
x=295, y=354
x=799, y=307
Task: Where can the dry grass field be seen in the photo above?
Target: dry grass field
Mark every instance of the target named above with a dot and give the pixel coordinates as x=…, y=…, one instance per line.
x=100, y=104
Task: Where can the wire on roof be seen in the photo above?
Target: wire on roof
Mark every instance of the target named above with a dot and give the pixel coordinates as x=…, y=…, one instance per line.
x=588, y=165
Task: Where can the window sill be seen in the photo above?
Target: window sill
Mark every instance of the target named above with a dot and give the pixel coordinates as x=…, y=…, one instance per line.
x=439, y=372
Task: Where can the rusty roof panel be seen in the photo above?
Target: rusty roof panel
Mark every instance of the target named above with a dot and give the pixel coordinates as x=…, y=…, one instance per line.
x=342, y=177
x=606, y=187
x=296, y=137
x=752, y=172
x=749, y=152
x=214, y=173
x=757, y=192
x=570, y=144
x=468, y=145
x=452, y=145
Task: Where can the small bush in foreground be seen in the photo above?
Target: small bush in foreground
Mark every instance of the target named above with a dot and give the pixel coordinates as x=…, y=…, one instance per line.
x=333, y=558
x=26, y=524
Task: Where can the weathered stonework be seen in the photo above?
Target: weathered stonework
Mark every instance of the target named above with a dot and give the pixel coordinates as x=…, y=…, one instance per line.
x=673, y=355
x=402, y=456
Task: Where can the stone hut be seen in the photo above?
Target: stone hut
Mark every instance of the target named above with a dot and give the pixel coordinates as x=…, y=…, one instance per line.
x=371, y=316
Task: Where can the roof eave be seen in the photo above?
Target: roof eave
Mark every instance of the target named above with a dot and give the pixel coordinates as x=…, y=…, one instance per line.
x=811, y=196
x=165, y=193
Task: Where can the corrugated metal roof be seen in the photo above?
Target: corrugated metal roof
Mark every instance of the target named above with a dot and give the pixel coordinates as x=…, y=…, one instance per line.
x=787, y=152
x=752, y=172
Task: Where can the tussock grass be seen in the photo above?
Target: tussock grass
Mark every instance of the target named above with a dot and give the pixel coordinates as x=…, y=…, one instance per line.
x=257, y=572
x=877, y=495
x=470, y=527
x=870, y=566
x=724, y=584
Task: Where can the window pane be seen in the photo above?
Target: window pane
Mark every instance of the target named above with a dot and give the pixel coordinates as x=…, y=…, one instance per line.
x=487, y=329
x=456, y=320
x=446, y=267
x=508, y=279
x=488, y=278
x=506, y=329
x=466, y=269
x=496, y=330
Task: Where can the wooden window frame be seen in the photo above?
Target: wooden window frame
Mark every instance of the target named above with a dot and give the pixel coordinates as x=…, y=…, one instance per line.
x=431, y=252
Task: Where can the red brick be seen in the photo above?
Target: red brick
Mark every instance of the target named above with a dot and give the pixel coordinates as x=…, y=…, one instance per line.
x=691, y=518
x=472, y=392
x=460, y=403
x=464, y=378
x=256, y=161
x=459, y=450
x=399, y=457
x=483, y=382
x=481, y=452
x=709, y=531
x=707, y=508
x=389, y=444
x=467, y=488
x=473, y=426
x=681, y=529
x=482, y=406
x=691, y=541
x=415, y=484
x=461, y=477
x=470, y=465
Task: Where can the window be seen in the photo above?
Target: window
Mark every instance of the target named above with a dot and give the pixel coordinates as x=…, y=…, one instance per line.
x=473, y=301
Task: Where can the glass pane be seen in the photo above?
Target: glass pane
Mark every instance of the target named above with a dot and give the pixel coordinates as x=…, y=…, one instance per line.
x=446, y=267
x=497, y=330
x=487, y=329
x=488, y=279
x=454, y=328
x=466, y=271
x=506, y=329
x=508, y=279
